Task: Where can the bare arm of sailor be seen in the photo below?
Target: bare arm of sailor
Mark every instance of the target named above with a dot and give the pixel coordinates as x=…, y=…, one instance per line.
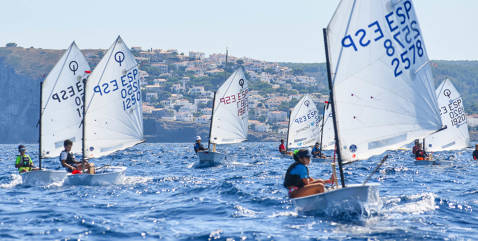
x=64, y=164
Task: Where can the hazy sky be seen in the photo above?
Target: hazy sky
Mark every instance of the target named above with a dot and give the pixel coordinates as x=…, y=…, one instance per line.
x=275, y=30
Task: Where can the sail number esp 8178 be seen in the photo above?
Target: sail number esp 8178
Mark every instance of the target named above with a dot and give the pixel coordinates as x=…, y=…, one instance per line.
x=404, y=44
x=127, y=85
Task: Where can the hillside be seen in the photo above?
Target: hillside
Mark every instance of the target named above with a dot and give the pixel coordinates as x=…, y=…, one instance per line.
x=22, y=69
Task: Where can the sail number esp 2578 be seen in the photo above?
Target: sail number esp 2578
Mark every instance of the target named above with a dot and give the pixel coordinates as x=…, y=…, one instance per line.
x=404, y=47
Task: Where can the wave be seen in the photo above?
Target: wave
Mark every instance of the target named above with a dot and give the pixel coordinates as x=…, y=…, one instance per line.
x=15, y=179
x=413, y=204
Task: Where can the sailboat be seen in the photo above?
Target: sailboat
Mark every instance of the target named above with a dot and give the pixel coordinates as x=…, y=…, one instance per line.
x=229, y=117
x=456, y=136
x=381, y=90
x=61, y=110
x=112, y=118
x=303, y=124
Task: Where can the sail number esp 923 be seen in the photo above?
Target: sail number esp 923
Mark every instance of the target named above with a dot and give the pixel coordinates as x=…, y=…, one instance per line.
x=399, y=34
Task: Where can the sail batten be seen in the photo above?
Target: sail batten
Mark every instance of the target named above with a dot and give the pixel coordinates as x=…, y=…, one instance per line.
x=230, y=115
x=113, y=119
x=304, y=128
x=62, y=104
x=382, y=82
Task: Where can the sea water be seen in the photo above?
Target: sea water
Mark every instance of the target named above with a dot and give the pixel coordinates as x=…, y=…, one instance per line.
x=164, y=196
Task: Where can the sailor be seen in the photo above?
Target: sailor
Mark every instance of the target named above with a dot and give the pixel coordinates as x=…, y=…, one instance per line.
x=475, y=153
x=68, y=161
x=23, y=162
x=316, y=152
x=297, y=179
x=420, y=154
x=415, y=147
x=198, y=146
x=282, y=148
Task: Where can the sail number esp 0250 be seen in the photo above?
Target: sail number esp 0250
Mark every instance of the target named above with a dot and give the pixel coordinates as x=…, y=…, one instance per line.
x=128, y=85
x=405, y=46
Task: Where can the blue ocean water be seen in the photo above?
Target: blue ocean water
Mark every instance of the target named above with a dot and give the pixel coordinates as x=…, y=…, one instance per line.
x=165, y=197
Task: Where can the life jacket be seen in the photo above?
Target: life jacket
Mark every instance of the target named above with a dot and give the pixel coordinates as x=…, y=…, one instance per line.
x=415, y=149
x=282, y=147
x=70, y=159
x=198, y=147
x=25, y=163
x=294, y=180
x=475, y=154
x=420, y=155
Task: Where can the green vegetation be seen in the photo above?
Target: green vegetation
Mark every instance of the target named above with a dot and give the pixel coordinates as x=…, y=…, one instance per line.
x=211, y=82
x=464, y=75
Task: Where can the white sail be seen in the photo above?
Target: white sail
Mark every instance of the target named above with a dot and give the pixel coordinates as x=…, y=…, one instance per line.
x=113, y=119
x=455, y=136
x=62, y=103
x=383, y=87
x=231, y=109
x=328, y=139
x=303, y=124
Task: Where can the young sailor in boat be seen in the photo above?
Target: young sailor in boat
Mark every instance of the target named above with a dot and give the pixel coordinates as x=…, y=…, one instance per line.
x=297, y=179
x=316, y=152
x=68, y=161
x=415, y=147
x=282, y=149
x=23, y=162
x=198, y=146
x=420, y=154
x=475, y=153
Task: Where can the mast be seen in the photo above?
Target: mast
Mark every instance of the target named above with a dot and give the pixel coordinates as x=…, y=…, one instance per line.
x=288, y=129
x=331, y=89
x=39, y=126
x=212, y=112
x=83, y=145
x=322, y=128
x=424, y=150
x=225, y=67
x=210, y=123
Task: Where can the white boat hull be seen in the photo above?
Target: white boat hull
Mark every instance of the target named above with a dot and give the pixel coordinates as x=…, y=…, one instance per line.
x=209, y=158
x=104, y=176
x=352, y=200
x=43, y=177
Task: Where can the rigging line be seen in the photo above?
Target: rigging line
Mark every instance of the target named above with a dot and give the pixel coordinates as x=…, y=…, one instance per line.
x=101, y=76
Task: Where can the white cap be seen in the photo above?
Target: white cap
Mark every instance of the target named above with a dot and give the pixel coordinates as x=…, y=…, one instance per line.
x=198, y=138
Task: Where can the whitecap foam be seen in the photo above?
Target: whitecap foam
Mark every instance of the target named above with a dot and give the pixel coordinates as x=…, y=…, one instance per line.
x=416, y=204
x=131, y=180
x=243, y=212
x=16, y=180
x=240, y=163
x=284, y=214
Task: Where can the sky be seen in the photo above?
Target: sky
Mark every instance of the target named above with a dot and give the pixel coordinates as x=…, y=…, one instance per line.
x=272, y=30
